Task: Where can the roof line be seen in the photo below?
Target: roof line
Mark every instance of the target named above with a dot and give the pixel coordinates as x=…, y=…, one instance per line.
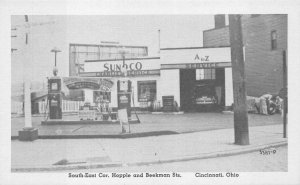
x=194, y=48
x=106, y=45
x=108, y=60
x=216, y=28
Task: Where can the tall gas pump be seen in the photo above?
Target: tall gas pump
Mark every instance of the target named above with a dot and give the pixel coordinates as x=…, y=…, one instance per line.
x=54, y=92
x=54, y=98
x=124, y=96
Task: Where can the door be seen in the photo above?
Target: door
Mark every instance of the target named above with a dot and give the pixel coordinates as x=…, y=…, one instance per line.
x=187, y=82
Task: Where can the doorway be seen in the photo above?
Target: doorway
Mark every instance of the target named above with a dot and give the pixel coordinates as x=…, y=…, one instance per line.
x=204, y=91
x=187, y=83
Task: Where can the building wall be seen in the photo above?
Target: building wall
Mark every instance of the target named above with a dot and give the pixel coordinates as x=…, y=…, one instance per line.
x=263, y=65
x=216, y=37
x=171, y=80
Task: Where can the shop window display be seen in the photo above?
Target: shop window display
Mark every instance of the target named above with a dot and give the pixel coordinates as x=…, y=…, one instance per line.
x=101, y=96
x=146, y=91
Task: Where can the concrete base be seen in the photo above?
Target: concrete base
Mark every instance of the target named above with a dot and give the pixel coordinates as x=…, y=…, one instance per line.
x=28, y=134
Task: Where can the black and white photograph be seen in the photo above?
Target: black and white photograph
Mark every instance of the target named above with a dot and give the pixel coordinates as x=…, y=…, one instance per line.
x=130, y=97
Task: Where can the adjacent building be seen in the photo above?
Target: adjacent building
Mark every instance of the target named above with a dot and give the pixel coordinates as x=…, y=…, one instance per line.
x=265, y=39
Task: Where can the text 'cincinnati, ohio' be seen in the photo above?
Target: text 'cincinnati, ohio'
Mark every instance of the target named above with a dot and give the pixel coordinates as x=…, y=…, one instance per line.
x=229, y=174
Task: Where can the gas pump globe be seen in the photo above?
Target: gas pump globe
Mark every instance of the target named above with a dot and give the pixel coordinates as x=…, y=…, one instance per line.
x=55, y=71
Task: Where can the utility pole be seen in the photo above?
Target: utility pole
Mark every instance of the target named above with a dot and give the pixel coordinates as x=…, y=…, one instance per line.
x=159, y=41
x=241, y=130
x=285, y=101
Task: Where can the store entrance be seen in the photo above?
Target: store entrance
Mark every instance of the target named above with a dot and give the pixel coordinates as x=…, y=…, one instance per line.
x=202, y=90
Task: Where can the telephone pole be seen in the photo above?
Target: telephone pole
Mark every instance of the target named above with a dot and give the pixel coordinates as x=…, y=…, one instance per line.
x=241, y=130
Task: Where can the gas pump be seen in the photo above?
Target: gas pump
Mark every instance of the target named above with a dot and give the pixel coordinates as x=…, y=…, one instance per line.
x=54, y=98
x=124, y=96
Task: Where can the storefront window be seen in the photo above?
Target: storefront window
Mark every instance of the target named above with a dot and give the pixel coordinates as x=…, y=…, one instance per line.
x=205, y=74
x=102, y=96
x=146, y=91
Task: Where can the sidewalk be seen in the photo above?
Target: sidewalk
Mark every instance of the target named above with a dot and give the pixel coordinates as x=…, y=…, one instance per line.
x=40, y=155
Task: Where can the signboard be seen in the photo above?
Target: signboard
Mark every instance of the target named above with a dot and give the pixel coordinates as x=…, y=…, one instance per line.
x=114, y=66
x=196, y=65
x=88, y=83
x=123, y=117
x=195, y=55
x=119, y=73
x=169, y=58
x=124, y=99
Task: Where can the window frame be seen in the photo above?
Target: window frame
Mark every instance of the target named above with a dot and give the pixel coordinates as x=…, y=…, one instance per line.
x=274, y=45
x=205, y=75
x=139, y=83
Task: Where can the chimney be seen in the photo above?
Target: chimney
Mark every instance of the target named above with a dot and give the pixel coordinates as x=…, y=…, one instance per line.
x=219, y=21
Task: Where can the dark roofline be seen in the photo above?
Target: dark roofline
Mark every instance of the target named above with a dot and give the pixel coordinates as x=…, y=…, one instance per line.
x=215, y=28
x=109, y=60
x=106, y=45
x=194, y=48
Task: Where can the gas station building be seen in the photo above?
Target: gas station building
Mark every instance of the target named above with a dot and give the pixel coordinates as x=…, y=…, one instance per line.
x=179, y=73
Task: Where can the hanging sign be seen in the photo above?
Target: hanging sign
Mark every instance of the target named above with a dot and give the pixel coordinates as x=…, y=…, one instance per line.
x=88, y=83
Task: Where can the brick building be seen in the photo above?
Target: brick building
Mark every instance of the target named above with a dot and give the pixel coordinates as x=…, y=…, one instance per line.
x=265, y=39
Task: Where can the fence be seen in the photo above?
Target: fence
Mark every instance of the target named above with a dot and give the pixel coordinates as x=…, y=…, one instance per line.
x=16, y=107
x=67, y=106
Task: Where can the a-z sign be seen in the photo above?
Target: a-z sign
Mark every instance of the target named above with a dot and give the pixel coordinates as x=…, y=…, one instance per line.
x=201, y=58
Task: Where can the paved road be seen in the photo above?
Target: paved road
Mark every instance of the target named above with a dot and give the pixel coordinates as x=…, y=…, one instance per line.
x=148, y=150
x=188, y=122
x=250, y=162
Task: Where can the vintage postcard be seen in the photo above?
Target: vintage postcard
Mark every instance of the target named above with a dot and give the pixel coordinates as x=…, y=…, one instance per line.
x=174, y=96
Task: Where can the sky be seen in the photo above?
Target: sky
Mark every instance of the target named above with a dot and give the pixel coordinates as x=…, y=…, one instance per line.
x=47, y=32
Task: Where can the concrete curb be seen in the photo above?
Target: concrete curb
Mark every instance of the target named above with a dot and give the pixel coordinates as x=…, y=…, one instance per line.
x=169, y=113
x=179, y=159
x=87, y=122
x=110, y=136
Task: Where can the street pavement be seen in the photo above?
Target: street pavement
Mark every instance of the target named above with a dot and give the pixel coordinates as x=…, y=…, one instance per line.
x=72, y=154
x=246, y=162
x=182, y=123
